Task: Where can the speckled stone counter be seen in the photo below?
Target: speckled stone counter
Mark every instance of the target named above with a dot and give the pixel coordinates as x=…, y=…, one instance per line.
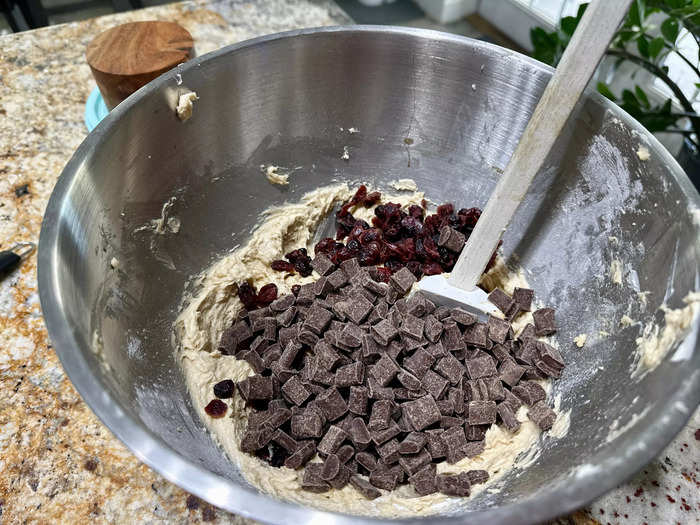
x=58, y=463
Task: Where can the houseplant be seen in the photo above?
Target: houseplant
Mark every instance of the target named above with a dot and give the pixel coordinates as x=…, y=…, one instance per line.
x=650, y=33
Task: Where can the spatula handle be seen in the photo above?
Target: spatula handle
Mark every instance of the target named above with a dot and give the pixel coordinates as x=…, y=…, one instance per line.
x=587, y=46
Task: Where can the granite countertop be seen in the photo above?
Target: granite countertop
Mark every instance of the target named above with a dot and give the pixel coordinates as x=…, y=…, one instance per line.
x=58, y=463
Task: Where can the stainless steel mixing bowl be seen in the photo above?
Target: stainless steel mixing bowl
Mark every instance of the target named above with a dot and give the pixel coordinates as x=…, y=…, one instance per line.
x=444, y=110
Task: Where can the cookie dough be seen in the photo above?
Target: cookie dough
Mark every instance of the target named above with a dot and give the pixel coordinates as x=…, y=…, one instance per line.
x=213, y=308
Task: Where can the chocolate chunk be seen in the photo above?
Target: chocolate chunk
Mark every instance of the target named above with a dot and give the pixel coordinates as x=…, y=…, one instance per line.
x=389, y=451
x=436, y=350
x=270, y=331
x=287, y=334
x=321, y=288
x=241, y=332
x=301, y=456
x=350, y=267
x=419, y=363
x=384, y=435
x=481, y=367
x=415, y=305
x=283, y=303
x=357, y=400
x=451, y=337
x=456, y=397
x=224, y=389
x=255, y=439
x=359, y=434
x=529, y=392
x=474, y=448
x=476, y=334
x=287, y=317
x=494, y=388
x=376, y=391
x=423, y=481
x=402, y=280
x=510, y=372
x=435, y=445
x=512, y=401
x=286, y=441
x=409, y=343
x=527, y=353
x=384, y=478
x=332, y=440
x=475, y=432
x=381, y=415
x=295, y=391
x=384, y=370
x=326, y=357
x=450, y=368
x=482, y=412
x=307, y=424
x=527, y=333
x=547, y=370
x=383, y=332
x=367, y=460
x=331, y=404
x=462, y=316
x=322, y=264
x=337, y=279
x=370, y=347
x=433, y=328
x=345, y=453
x=421, y=412
x=408, y=380
x=454, y=485
x=550, y=355
x=544, y=321
x=501, y=299
x=392, y=295
x=259, y=388
x=255, y=317
x=376, y=288
x=413, y=443
x=351, y=335
x=317, y=319
x=306, y=294
x=289, y=354
x=434, y=384
x=451, y=239
x=542, y=415
x=395, y=317
x=477, y=476
x=357, y=309
x=508, y=417
x=413, y=463
x=331, y=467
x=532, y=373
x=259, y=344
x=412, y=326
x=523, y=298
x=446, y=407
x=497, y=329
x=363, y=486
x=352, y=374
x=455, y=443
x=502, y=352
x=312, y=480
x=450, y=421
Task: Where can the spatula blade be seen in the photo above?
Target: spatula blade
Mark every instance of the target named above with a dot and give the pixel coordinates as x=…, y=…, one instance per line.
x=441, y=292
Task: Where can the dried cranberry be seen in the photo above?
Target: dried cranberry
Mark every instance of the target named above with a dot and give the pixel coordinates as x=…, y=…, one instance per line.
x=415, y=268
x=216, y=408
x=383, y=274
x=360, y=196
x=327, y=246
x=357, y=229
x=224, y=389
x=393, y=265
x=372, y=198
x=469, y=216
x=295, y=289
x=415, y=211
x=431, y=268
x=370, y=235
x=411, y=226
x=380, y=211
x=445, y=210
x=295, y=255
x=282, y=266
x=267, y=294
x=353, y=246
x=247, y=295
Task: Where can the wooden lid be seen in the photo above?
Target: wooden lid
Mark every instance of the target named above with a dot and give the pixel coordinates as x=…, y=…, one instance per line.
x=137, y=48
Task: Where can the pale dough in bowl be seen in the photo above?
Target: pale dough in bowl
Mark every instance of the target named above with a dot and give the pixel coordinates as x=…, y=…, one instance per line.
x=213, y=307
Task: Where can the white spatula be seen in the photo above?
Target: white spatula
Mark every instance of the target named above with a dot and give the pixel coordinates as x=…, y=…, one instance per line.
x=581, y=57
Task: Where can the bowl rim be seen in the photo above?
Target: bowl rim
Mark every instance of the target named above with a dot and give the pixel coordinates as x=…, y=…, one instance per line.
x=589, y=484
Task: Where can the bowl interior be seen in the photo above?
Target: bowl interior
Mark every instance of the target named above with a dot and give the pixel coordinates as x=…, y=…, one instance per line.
x=442, y=110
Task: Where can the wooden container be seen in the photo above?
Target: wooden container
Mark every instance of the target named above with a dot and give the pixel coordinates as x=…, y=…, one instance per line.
x=127, y=57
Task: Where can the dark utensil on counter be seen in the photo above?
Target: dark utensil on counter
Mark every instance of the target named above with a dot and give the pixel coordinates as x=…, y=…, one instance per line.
x=10, y=259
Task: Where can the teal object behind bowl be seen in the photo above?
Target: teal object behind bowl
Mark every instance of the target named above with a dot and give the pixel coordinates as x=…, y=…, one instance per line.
x=95, y=109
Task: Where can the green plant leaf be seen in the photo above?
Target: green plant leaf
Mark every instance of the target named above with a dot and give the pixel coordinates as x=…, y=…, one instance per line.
x=697, y=85
x=604, y=90
x=582, y=9
x=546, y=45
x=628, y=99
x=568, y=25
x=642, y=96
x=670, y=29
x=643, y=46
x=635, y=14
x=655, y=46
